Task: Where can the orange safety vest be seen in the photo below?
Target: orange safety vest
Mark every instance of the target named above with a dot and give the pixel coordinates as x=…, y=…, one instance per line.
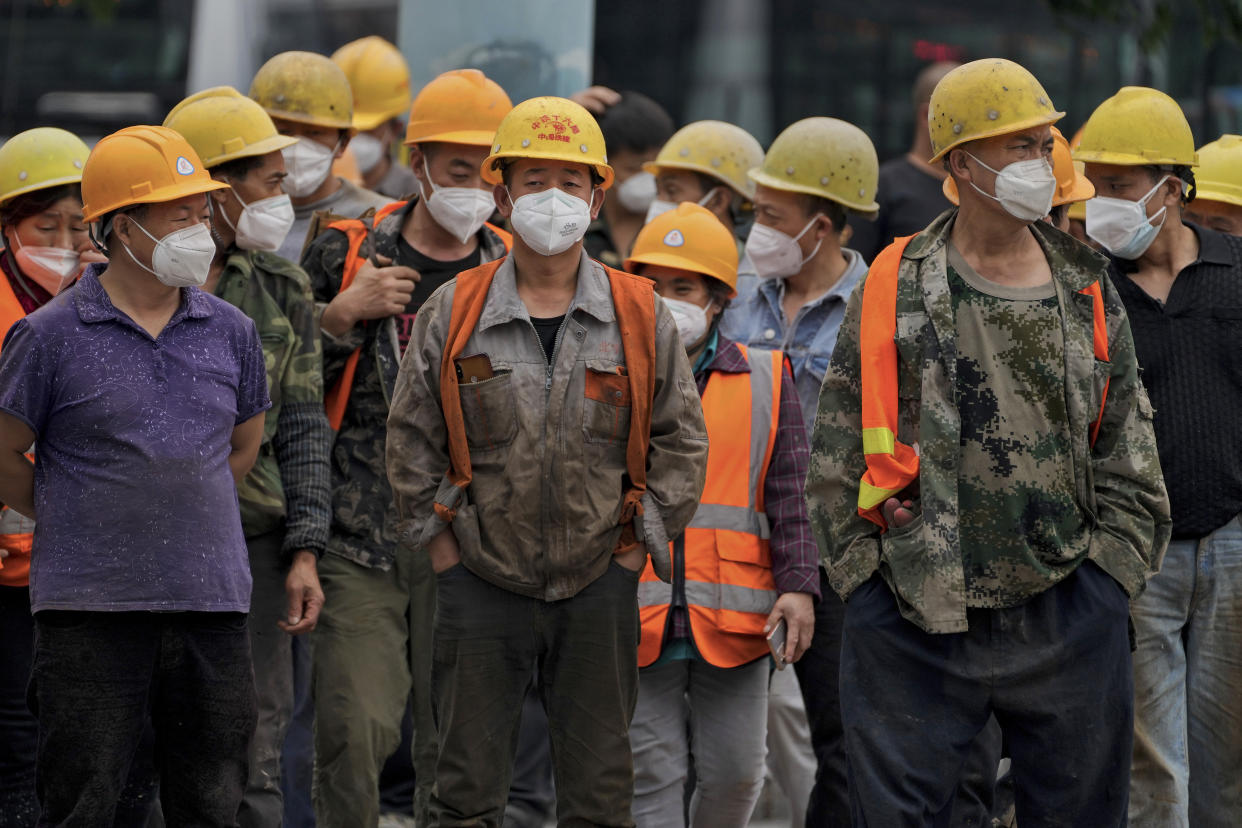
x=16, y=532
x=356, y=230
x=728, y=579
x=633, y=299
x=891, y=464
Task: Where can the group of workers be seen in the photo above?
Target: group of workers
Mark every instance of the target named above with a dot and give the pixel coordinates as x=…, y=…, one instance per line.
x=633, y=459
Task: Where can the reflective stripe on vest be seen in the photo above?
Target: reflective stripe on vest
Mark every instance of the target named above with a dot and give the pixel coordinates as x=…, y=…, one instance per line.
x=891, y=464
x=726, y=567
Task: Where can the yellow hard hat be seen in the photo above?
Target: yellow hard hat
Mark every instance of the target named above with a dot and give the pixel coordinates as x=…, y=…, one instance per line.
x=40, y=158
x=721, y=150
x=1077, y=210
x=1072, y=184
x=463, y=106
x=379, y=78
x=823, y=157
x=985, y=98
x=304, y=87
x=1219, y=177
x=688, y=237
x=141, y=165
x=556, y=129
x=223, y=125
x=1137, y=127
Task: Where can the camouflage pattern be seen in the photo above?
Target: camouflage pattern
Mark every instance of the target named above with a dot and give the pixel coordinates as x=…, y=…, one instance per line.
x=364, y=521
x=1117, y=484
x=276, y=294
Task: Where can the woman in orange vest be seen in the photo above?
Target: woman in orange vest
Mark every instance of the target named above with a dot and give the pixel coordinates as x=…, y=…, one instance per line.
x=44, y=242
x=745, y=567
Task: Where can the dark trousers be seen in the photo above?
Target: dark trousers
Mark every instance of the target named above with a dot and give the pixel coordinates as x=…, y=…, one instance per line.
x=1054, y=671
x=489, y=642
x=98, y=677
x=19, y=732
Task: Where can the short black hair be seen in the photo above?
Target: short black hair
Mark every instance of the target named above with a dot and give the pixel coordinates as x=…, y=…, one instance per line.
x=719, y=293
x=238, y=168
x=104, y=225
x=635, y=123
x=1057, y=213
x=1186, y=174
x=19, y=208
x=835, y=212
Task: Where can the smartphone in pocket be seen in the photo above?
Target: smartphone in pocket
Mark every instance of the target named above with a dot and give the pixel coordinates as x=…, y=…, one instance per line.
x=776, y=643
x=474, y=368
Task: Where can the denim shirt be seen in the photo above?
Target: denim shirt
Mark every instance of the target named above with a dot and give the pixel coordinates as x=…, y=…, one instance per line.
x=755, y=318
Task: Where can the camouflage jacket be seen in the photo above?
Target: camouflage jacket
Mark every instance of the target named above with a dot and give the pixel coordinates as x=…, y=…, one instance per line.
x=364, y=521
x=1119, y=485
x=289, y=481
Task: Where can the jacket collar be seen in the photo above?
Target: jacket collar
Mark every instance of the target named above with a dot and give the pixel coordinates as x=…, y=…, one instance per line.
x=593, y=295
x=855, y=268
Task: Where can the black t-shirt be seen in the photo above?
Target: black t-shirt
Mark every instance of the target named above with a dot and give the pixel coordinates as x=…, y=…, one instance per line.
x=909, y=200
x=434, y=273
x=547, y=330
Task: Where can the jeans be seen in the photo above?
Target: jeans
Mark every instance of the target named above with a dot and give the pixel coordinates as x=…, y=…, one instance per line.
x=1188, y=687
x=99, y=677
x=19, y=732
x=489, y=642
x=1054, y=671
x=691, y=712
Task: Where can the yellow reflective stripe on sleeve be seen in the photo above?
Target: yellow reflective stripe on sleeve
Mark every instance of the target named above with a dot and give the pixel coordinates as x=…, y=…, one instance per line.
x=878, y=441
x=870, y=496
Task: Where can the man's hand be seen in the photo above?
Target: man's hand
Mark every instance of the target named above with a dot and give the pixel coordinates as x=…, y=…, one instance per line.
x=798, y=610
x=377, y=291
x=303, y=593
x=596, y=99
x=444, y=551
x=898, y=513
x=634, y=559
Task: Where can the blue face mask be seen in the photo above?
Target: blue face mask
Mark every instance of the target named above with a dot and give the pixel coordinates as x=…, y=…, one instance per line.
x=1123, y=226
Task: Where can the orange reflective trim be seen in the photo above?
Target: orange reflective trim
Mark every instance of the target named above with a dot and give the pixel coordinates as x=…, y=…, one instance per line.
x=1099, y=342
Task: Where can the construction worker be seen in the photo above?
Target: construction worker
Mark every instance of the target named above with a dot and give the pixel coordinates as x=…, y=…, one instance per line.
x=1073, y=187
x=1182, y=288
x=989, y=570
x=285, y=497
x=144, y=397
x=380, y=80
x=557, y=396
x=703, y=682
x=309, y=98
x=1218, y=187
x=815, y=173
x=910, y=195
x=44, y=239
x=375, y=635
x=635, y=128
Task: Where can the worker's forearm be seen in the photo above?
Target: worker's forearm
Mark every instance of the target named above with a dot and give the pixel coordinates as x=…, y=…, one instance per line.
x=17, y=482
x=241, y=461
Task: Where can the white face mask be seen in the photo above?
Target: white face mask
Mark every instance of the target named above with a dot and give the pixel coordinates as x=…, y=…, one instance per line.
x=691, y=321
x=182, y=258
x=1123, y=226
x=308, y=164
x=551, y=221
x=459, y=210
x=659, y=208
x=1024, y=188
x=263, y=224
x=776, y=255
x=637, y=192
x=48, y=267
x=368, y=151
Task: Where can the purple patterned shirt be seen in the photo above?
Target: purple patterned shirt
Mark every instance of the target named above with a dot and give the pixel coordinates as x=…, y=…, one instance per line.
x=136, y=505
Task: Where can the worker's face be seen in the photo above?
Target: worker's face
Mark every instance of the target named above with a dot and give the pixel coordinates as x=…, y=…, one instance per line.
x=996, y=152
x=387, y=133
x=684, y=286
x=1217, y=215
x=1133, y=183
x=450, y=165
x=330, y=137
x=60, y=225
x=263, y=181
x=627, y=163
x=159, y=220
x=534, y=175
x=788, y=213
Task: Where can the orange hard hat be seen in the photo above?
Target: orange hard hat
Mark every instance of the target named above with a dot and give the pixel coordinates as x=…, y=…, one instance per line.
x=1072, y=183
x=141, y=165
x=463, y=106
x=688, y=237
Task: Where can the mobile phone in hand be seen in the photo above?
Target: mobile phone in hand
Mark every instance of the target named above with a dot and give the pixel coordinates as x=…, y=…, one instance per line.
x=776, y=643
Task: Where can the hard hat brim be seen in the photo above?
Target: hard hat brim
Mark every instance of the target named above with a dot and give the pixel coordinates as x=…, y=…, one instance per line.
x=758, y=176
x=470, y=137
x=1128, y=159
x=1212, y=194
x=303, y=118
x=679, y=263
x=42, y=185
x=1081, y=191
x=274, y=143
x=1048, y=118
x=364, y=121
x=493, y=176
x=655, y=167
x=159, y=196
